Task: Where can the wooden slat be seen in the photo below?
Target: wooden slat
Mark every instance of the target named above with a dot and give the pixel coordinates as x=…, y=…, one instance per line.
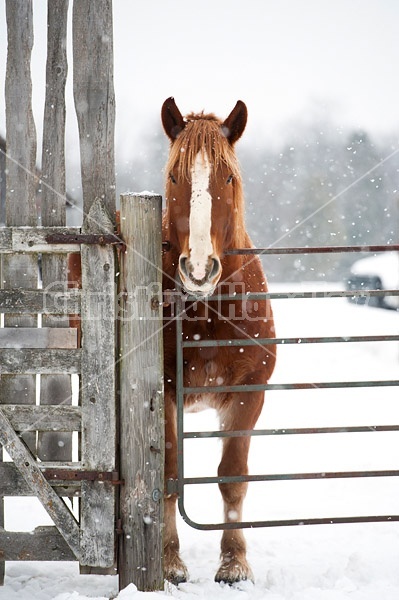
x=98, y=391
x=53, y=205
x=20, y=271
x=27, y=466
x=43, y=418
x=94, y=96
x=5, y=239
x=2, y=181
x=93, y=88
x=45, y=337
x=55, y=389
x=20, y=126
x=34, y=361
x=39, y=301
x=13, y=484
x=44, y=543
x=33, y=240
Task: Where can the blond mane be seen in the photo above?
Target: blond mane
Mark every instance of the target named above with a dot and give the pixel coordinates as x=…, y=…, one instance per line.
x=203, y=133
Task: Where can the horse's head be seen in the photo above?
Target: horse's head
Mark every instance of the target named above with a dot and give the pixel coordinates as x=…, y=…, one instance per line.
x=203, y=192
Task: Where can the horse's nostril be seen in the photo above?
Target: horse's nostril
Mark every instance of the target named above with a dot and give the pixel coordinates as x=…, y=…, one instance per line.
x=183, y=265
x=215, y=268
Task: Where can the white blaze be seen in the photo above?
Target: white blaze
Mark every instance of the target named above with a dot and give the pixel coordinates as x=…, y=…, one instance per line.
x=200, y=243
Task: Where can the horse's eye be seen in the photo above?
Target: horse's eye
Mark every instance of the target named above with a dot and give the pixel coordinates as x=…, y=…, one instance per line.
x=229, y=179
x=173, y=180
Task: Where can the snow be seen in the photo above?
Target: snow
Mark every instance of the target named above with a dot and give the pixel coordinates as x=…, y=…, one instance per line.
x=324, y=562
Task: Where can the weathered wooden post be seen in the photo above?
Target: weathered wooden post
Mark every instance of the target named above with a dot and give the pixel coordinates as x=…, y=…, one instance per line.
x=95, y=109
x=141, y=389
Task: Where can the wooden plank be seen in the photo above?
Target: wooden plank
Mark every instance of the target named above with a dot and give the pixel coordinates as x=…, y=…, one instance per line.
x=45, y=337
x=93, y=89
x=95, y=109
x=53, y=205
x=27, y=466
x=98, y=395
x=13, y=484
x=33, y=361
x=33, y=240
x=141, y=400
x=19, y=271
x=22, y=301
x=20, y=127
x=2, y=180
x=55, y=389
x=5, y=237
x=43, y=418
x=44, y=543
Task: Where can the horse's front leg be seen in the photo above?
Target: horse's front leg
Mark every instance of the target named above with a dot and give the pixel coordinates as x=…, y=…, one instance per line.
x=242, y=413
x=175, y=570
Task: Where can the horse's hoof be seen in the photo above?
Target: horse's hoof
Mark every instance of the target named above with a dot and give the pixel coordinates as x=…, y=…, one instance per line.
x=175, y=578
x=233, y=571
x=175, y=571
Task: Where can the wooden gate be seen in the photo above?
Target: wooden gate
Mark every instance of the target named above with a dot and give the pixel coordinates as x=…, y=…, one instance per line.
x=40, y=352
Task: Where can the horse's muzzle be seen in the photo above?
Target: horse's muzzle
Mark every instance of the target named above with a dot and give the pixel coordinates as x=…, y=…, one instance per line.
x=199, y=282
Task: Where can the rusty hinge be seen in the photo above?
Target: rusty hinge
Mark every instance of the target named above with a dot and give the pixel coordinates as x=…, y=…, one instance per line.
x=101, y=239
x=172, y=487
x=78, y=475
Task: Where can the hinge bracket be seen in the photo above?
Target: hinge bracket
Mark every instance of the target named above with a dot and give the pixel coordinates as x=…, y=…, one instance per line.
x=81, y=475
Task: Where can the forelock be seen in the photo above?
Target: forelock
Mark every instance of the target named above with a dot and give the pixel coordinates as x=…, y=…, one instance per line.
x=203, y=133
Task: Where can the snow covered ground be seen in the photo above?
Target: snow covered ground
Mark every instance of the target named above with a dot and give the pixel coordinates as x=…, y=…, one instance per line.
x=324, y=562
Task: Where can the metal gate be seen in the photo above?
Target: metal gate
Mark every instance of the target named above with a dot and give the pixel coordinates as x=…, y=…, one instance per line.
x=178, y=486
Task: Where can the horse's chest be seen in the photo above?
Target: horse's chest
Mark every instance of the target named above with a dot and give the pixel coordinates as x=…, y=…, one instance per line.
x=204, y=370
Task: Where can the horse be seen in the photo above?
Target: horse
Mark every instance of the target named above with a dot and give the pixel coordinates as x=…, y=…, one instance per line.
x=202, y=220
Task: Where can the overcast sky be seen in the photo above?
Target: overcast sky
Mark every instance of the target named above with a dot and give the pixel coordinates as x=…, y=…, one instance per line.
x=289, y=60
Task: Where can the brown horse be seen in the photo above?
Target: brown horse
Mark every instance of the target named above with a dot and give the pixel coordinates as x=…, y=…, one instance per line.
x=204, y=217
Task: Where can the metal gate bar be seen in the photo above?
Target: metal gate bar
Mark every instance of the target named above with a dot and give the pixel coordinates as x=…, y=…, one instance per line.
x=290, y=476
x=314, y=249
x=177, y=486
x=193, y=435
x=213, y=389
x=291, y=295
x=297, y=340
x=286, y=522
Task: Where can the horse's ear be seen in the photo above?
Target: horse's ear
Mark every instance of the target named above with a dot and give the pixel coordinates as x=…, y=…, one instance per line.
x=234, y=125
x=172, y=120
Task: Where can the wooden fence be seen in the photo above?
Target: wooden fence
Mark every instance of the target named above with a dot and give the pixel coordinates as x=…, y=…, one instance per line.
x=40, y=352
